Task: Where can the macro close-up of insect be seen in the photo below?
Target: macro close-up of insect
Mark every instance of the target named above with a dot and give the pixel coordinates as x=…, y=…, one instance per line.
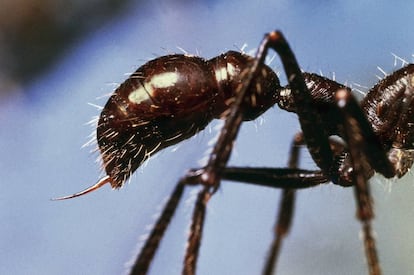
x=173, y=97
x=206, y=137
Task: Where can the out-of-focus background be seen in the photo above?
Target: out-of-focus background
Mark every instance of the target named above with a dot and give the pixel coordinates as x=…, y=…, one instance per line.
x=58, y=56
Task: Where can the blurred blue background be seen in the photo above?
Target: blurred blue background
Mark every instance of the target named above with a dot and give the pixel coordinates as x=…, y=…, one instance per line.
x=43, y=128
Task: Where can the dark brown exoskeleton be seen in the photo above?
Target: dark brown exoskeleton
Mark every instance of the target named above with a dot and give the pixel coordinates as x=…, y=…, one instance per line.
x=171, y=98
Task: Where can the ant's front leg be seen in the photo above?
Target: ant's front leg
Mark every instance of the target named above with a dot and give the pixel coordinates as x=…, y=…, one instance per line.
x=366, y=154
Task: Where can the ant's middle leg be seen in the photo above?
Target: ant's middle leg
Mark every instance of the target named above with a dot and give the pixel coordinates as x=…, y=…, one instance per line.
x=286, y=211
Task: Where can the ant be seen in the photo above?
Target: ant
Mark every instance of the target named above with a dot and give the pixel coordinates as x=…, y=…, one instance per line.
x=173, y=97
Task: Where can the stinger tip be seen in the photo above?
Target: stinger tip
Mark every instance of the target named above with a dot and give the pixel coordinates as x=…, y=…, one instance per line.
x=99, y=184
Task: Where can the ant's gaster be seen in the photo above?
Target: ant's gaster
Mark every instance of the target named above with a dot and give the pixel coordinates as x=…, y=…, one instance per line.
x=173, y=97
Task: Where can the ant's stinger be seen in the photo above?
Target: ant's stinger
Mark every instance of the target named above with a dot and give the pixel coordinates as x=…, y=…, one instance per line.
x=98, y=185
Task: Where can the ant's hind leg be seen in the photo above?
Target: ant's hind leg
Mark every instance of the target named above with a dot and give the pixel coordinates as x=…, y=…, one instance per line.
x=196, y=231
x=146, y=255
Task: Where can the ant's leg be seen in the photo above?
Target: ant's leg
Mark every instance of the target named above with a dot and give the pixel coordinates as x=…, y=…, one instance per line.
x=147, y=252
x=194, y=239
x=284, y=178
x=275, y=177
x=315, y=136
x=356, y=135
x=270, y=177
x=286, y=211
x=366, y=150
x=359, y=130
x=282, y=227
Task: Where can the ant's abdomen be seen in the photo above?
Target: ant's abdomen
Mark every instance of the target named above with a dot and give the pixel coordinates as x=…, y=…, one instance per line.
x=165, y=101
x=170, y=99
